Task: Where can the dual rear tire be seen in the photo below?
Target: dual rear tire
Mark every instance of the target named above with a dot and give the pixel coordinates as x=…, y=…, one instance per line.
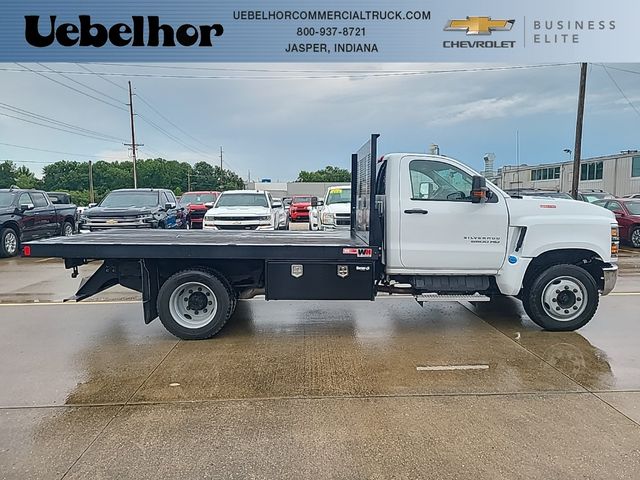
x=195, y=304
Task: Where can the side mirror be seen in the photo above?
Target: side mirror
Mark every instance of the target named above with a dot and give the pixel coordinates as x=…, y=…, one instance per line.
x=314, y=202
x=209, y=204
x=618, y=213
x=91, y=205
x=478, y=189
x=320, y=203
x=26, y=206
x=169, y=205
x=276, y=204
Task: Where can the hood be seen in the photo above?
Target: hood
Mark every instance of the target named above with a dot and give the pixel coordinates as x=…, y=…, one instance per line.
x=7, y=210
x=338, y=208
x=231, y=211
x=116, y=212
x=557, y=207
x=196, y=207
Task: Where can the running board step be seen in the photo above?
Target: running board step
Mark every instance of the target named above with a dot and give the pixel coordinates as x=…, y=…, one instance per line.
x=434, y=297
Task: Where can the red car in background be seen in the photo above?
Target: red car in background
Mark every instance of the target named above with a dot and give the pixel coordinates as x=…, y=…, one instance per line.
x=627, y=212
x=299, y=208
x=196, y=204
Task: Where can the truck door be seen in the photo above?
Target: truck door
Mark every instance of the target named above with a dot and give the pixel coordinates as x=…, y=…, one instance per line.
x=46, y=223
x=28, y=221
x=441, y=230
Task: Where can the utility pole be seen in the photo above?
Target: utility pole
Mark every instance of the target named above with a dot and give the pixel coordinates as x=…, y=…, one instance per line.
x=577, y=151
x=221, y=160
x=133, y=143
x=91, y=195
x=188, y=182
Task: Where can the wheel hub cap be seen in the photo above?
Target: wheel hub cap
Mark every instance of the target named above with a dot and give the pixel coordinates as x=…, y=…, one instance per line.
x=193, y=305
x=564, y=298
x=10, y=242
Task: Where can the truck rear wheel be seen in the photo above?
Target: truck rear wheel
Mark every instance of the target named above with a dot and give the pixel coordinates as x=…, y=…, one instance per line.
x=561, y=298
x=195, y=304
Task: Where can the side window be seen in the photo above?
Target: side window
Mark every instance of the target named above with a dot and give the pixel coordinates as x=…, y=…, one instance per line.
x=164, y=198
x=39, y=200
x=613, y=206
x=171, y=197
x=433, y=180
x=25, y=199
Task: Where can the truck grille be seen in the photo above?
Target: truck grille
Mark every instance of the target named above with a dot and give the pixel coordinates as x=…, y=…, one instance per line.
x=343, y=219
x=237, y=227
x=197, y=213
x=234, y=219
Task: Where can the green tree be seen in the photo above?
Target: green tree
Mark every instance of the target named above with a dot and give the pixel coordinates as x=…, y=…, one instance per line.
x=328, y=174
x=66, y=176
x=7, y=174
x=25, y=178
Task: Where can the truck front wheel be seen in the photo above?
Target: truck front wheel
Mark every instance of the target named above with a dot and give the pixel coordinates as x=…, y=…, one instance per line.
x=195, y=304
x=561, y=298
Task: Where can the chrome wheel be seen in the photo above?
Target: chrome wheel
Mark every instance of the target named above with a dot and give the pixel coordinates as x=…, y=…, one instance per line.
x=193, y=305
x=635, y=238
x=68, y=230
x=11, y=243
x=564, y=298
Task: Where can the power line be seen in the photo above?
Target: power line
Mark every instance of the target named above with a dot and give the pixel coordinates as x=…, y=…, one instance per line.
x=82, y=84
x=621, y=91
x=101, y=76
x=57, y=128
x=617, y=68
x=37, y=116
x=299, y=77
x=169, y=121
x=59, y=152
x=40, y=73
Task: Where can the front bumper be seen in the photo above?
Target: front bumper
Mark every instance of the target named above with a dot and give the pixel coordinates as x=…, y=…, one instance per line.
x=610, y=274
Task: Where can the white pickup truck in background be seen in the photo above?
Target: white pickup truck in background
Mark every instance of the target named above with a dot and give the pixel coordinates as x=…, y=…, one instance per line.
x=244, y=210
x=334, y=212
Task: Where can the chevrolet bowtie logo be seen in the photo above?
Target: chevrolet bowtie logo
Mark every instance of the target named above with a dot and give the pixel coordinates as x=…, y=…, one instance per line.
x=479, y=25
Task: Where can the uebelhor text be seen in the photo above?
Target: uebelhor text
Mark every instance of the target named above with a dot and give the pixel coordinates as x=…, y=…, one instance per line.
x=141, y=32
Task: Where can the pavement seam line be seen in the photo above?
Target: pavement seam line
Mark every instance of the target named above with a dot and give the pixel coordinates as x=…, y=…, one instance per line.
x=587, y=390
x=115, y=415
x=549, y=393
x=614, y=408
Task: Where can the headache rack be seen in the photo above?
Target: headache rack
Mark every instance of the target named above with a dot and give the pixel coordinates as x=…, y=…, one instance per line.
x=365, y=225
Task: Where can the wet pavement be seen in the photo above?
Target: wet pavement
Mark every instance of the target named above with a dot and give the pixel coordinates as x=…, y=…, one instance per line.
x=318, y=390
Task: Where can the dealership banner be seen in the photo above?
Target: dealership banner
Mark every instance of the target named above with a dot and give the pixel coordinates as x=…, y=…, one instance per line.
x=320, y=30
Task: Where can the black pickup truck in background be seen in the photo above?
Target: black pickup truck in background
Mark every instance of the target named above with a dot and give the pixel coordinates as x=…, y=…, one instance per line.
x=29, y=215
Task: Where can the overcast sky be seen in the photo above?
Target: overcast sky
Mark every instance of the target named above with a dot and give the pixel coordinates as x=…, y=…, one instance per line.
x=276, y=127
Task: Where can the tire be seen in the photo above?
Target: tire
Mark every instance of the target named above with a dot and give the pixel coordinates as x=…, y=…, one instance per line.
x=67, y=229
x=184, y=301
x=9, y=242
x=634, y=237
x=561, y=298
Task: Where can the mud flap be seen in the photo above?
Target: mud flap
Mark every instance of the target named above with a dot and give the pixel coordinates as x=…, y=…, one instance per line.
x=150, y=287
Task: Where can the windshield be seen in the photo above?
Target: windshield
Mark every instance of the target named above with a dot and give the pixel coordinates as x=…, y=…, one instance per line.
x=592, y=197
x=301, y=200
x=198, y=198
x=339, y=195
x=242, y=200
x=633, y=207
x=6, y=199
x=130, y=199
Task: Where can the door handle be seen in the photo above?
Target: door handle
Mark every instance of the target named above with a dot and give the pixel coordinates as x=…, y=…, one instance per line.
x=417, y=210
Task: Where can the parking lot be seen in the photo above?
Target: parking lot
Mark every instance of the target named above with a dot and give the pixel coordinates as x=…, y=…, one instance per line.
x=313, y=389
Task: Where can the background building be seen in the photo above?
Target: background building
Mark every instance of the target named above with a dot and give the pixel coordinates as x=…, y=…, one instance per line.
x=617, y=174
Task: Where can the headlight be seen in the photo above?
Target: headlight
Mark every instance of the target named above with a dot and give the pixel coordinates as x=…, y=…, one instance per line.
x=328, y=217
x=615, y=240
x=267, y=217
